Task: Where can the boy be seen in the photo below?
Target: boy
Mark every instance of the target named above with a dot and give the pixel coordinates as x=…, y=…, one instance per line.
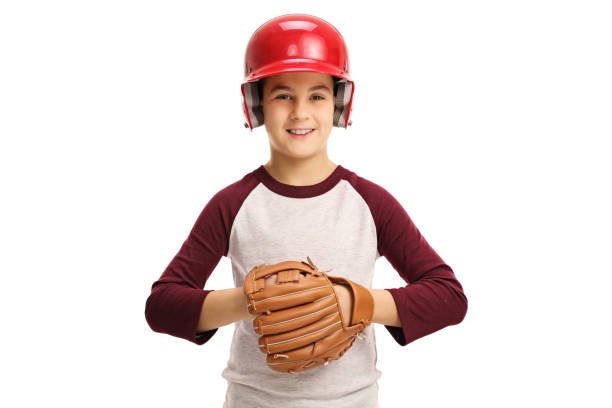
x=302, y=204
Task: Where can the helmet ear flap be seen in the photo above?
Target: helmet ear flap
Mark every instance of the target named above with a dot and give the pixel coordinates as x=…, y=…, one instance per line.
x=343, y=94
x=252, y=100
x=258, y=104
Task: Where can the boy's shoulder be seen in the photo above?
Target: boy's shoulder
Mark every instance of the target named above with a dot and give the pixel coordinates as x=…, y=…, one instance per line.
x=237, y=189
x=371, y=191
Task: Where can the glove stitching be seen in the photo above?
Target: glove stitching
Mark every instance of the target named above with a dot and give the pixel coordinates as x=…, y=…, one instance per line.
x=291, y=294
x=304, y=335
x=314, y=357
x=301, y=317
x=322, y=298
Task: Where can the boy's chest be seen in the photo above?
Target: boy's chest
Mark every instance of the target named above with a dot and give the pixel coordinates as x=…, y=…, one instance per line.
x=335, y=230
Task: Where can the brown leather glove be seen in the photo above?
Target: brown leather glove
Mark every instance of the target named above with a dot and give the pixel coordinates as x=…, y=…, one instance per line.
x=300, y=318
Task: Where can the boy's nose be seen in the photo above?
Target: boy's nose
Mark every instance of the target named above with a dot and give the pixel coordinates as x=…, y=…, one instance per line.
x=299, y=111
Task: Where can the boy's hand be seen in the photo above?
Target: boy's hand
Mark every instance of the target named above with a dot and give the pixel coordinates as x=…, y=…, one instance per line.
x=270, y=280
x=304, y=315
x=345, y=298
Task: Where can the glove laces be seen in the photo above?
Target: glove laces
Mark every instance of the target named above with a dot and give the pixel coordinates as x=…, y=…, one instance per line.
x=361, y=335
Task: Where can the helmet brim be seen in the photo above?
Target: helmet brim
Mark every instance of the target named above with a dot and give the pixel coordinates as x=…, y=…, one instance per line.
x=296, y=65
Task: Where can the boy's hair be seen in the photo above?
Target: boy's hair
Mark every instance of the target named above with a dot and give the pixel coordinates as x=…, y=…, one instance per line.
x=262, y=80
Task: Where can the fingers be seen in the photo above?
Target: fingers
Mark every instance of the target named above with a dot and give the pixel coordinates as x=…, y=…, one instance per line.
x=270, y=280
x=345, y=299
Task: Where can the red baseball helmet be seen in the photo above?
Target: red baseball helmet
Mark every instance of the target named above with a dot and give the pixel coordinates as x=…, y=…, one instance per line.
x=296, y=43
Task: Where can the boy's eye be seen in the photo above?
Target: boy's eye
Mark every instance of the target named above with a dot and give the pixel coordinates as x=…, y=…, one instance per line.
x=314, y=96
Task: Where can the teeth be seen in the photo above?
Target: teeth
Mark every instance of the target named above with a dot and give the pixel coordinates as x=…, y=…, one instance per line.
x=300, y=132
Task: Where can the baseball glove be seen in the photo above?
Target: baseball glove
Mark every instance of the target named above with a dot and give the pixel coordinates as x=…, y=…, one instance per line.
x=300, y=318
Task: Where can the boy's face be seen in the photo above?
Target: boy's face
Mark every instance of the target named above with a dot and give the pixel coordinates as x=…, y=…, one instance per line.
x=298, y=100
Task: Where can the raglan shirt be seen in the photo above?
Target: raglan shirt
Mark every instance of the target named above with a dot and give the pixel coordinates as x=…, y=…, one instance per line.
x=344, y=224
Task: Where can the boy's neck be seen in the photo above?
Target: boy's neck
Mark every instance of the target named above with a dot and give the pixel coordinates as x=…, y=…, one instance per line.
x=300, y=173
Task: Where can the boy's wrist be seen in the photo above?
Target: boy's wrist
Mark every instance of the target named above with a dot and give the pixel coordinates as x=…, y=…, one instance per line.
x=244, y=310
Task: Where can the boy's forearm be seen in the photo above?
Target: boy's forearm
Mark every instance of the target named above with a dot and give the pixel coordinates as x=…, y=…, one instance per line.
x=385, y=311
x=222, y=307
x=226, y=306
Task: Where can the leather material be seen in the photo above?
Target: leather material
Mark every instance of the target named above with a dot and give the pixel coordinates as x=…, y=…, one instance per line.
x=299, y=318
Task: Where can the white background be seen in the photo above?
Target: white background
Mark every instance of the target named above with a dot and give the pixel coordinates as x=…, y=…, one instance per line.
x=487, y=120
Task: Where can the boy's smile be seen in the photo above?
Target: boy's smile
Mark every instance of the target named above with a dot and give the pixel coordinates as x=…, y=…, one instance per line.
x=300, y=133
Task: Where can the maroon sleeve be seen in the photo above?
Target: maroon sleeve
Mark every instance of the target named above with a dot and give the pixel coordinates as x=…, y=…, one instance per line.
x=176, y=298
x=433, y=298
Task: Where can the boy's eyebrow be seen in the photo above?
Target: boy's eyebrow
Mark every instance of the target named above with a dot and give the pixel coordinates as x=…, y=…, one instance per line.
x=286, y=88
